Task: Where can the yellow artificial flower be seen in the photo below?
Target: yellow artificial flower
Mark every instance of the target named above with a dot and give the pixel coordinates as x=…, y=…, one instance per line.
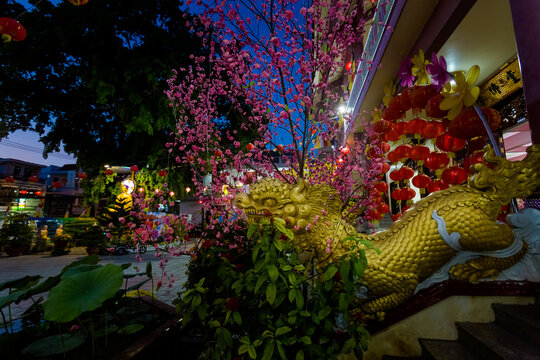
x=462, y=93
x=377, y=115
x=389, y=91
x=419, y=68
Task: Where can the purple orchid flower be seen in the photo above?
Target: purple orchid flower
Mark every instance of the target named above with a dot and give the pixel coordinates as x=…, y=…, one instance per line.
x=405, y=74
x=438, y=72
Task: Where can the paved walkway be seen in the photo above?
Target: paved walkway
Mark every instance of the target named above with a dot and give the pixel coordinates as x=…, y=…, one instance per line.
x=16, y=267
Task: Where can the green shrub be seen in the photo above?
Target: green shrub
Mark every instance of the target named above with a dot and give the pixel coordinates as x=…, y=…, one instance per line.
x=16, y=232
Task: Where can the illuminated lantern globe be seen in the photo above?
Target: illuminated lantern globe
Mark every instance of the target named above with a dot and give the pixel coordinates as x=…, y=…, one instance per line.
x=454, y=175
x=381, y=186
x=33, y=179
x=419, y=153
x=409, y=194
x=396, y=194
x=391, y=113
x=392, y=135
x=56, y=185
x=436, y=161
x=11, y=29
x=393, y=156
x=395, y=175
x=406, y=173
x=385, y=147
x=421, y=181
x=420, y=95
x=403, y=151
x=433, y=129
x=383, y=208
x=384, y=168
x=468, y=124
x=109, y=172
x=449, y=143
x=470, y=160
x=162, y=173
x=134, y=168
x=416, y=126
x=437, y=185
x=9, y=179
x=433, y=109
x=82, y=175
x=400, y=127
x=404, y=100
x=382, y=126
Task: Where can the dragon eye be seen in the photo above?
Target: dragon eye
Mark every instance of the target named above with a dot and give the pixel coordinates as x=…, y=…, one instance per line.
x=269, y=202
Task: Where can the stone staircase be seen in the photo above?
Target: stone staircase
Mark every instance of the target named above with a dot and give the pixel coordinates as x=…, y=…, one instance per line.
x=514, y=335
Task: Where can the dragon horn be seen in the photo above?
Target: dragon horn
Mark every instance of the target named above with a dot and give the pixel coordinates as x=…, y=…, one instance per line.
x=298, y=192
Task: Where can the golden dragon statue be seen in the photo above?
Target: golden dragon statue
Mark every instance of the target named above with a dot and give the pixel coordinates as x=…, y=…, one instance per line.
x=461, y=219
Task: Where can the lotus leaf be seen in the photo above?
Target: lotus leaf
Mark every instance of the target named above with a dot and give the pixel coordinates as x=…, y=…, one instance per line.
x=52, y=345
x=85, y=291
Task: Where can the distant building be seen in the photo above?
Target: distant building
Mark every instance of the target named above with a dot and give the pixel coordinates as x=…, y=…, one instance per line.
x=66, y=199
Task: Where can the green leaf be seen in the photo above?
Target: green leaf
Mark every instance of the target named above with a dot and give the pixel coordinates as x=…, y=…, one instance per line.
x=82, y=292
x=130, y=329
x=283, y=330
x=251, y=230
x=91, y=260
x=243, y=349
x=273, y=272
x=11, y=298
x=52, y=345
x=330, y=272
x=278, y=245
x=259, y=283
x=286, y=268
x=268, y=350
x=255, y=253
x=252, y=352
x=348, y=346
x=305, y=340
x=280, y=350
x=21, y=283
x=324, y=312
x=237, y=317
x=299, y=299
x=300, y=355
x=271, y=293
x=227, y=336
x=344, y=269
x=149, y=269
x=80, y=269
x=292, y=295
x=343, y=302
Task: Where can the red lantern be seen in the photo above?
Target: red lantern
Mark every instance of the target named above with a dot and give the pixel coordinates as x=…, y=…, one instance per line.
x=11, y=29
x=396, y=217
x=134, y=168
x=416, y=126
x=9, y=179
x=406, y=173
x=476, y=143
x=372, y=153
x=382, y=126
x=162, y=173
x=393, y=156
x=470, y=160
x=345, y=150
x=384, y=168
x=38, y=193
x=250, y=147
x=280, y=148
x=395, y=175
x=403, y=150
x=433, y=107
x=407, y=193
x=82, y=175
x=468, y=124
x=348, y=66
x=420, y=95
x=383, y=208
x=78, y=2
x=447, y=142
x=404, y=100
x=385, y=147
x=109, y=172
x=400, y=127
x=419, y=153
x=392, y=135
x=33, y=179
x=381, y=186
x=396, y=194
x=56, y=185
x=392, y=113
x=421, y=181
x=454, y=175
x=436, y=160
x=433, y=129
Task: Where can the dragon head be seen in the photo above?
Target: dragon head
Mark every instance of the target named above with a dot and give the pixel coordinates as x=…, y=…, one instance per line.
x=503, y=180
x=298, y=204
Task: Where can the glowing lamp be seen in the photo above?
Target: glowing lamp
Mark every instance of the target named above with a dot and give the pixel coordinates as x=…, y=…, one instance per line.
x=11, y=29
x=24, y=192
x=33, y=179
x=436, y=160
x=129, y=185
x=348, y=66
x=421, y=181
x=141, y=189
x=109, y=172
x=188, y=189
x=454, y=175
x=78, y=2
x=171, y=193
x=345, y=150
x=82, y=175
x=449, y=143
x=38, y=193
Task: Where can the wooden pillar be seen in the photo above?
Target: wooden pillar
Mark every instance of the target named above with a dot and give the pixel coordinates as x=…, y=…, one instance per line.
x=526, y=18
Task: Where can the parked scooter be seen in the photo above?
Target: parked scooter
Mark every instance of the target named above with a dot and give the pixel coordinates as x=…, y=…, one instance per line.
x=129, y=248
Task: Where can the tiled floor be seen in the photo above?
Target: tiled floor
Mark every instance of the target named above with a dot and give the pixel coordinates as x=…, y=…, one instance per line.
x=16, y=267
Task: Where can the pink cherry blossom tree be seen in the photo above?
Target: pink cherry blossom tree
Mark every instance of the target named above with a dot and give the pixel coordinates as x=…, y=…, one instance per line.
x=275, y=65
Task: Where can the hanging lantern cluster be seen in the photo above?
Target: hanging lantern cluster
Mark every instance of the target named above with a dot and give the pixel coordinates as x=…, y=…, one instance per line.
x=443, y=122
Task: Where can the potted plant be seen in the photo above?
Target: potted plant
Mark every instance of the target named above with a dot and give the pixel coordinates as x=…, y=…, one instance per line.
x=16, y=235
x=61, y=241
x=94, y=240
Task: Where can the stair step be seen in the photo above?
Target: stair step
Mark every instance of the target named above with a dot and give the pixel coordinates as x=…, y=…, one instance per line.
x=520, y=320
x=490, y=341
x=444, y=350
